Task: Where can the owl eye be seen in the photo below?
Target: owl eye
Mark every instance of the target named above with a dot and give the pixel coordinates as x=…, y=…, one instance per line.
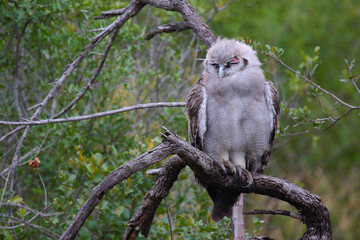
x=215, y=65
x=234, y=60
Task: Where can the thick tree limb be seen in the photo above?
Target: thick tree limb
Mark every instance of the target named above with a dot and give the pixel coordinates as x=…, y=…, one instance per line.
x=315, y=215
x=209, y=172
x=191, y=17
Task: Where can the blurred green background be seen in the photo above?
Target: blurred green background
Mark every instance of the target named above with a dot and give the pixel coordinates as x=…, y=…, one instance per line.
x=76, y=156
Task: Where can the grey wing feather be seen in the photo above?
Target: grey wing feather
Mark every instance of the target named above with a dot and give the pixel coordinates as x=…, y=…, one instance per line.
x=196, y=114
x=273, y=104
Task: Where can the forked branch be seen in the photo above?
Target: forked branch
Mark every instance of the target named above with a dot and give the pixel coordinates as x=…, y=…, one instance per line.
x=209, y=172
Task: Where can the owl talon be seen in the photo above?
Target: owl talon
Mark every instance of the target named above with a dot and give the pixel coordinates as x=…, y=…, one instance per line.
x=249, y=178
x=228, y=167
x=240, y=171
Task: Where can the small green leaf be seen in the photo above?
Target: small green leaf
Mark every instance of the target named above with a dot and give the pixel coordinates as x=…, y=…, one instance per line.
x=84, y=234
x=17, y=199
x=72, y=178
x=22, y=213
x=104, y=204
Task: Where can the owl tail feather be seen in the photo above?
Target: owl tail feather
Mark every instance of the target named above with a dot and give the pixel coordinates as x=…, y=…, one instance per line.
x=223, y=204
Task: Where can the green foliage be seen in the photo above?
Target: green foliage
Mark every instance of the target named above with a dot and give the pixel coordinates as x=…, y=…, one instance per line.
x=75, y=157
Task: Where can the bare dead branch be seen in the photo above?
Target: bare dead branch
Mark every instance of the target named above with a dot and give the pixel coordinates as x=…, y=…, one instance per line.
x=191, y=17
x=96, y=30
x=167, y=28
x=40, y=213
x=96, y=115
x=45, y=231
x=210, y=173
x=143, y=161
x=93, y=78
x=11, y=133
x=110, y=13
x=276, y=212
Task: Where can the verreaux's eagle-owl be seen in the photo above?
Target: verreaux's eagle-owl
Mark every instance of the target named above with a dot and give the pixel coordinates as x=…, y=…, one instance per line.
x=232, y=114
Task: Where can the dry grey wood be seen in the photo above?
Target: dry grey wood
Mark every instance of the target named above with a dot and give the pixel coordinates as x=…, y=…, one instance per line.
x=276, y=212
x=209, y=172
x=43, y=230
x=110, y=13
x=191, y=18
x=143, y=161
x=95, y=115
x=168, y=28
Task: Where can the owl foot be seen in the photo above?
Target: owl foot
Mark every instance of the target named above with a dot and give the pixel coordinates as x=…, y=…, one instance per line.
x=228, y=167
x=249, y=178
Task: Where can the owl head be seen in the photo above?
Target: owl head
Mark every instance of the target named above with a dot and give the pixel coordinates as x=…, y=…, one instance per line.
x=228, y=56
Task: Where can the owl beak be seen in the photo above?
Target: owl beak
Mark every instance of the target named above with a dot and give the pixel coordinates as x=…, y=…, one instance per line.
x=221, y=70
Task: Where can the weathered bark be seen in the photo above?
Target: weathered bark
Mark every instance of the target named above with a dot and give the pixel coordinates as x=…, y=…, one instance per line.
x=209, y=172
x=315, y=215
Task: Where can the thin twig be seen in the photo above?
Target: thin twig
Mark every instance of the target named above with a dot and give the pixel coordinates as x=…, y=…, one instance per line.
x=45, y=192
x=167, y=28
x=96, y=30
x=217, y=10
x=40, y=213
x=309, y=81
x=11, y=133
x=354, y=81
x=93, y=78
x=323, y=129
x=34, y=226
x=110, y=13
x=96, y=115
x=276, y=212
x=169, y=219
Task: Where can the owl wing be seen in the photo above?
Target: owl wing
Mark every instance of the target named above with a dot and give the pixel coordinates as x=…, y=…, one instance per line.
x=196, y=113
x=273, y=104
